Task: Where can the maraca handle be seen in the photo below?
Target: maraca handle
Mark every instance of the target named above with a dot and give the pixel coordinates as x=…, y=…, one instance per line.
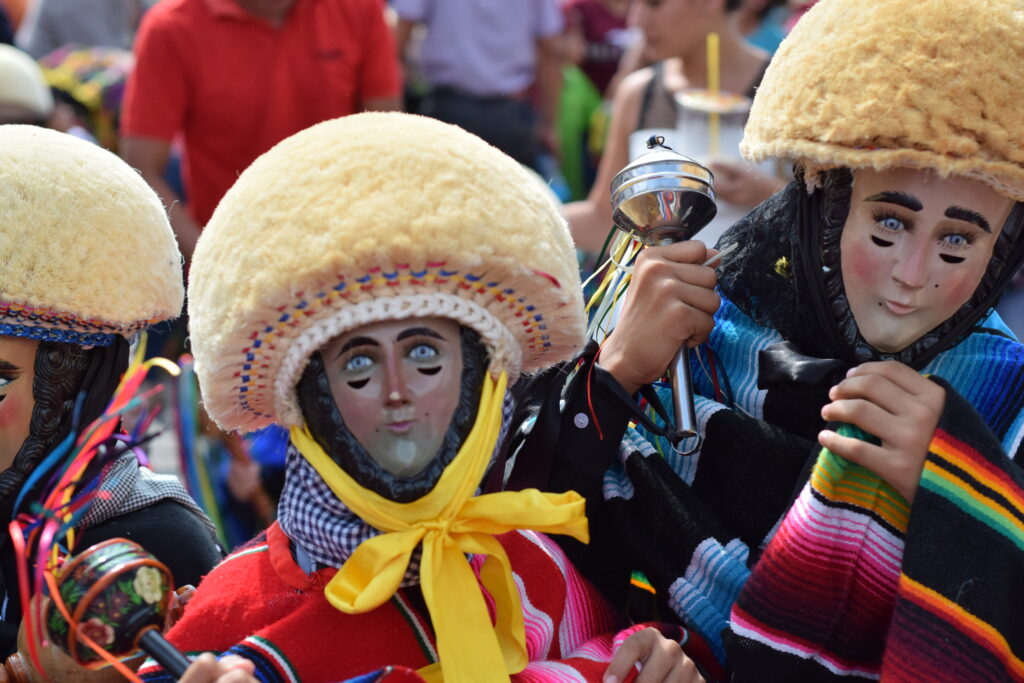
x=682, y=395
x=166, y=655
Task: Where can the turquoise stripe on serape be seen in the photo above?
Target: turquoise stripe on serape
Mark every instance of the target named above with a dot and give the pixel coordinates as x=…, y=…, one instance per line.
x=736, y=341
x=704, y=595
x=988, y=371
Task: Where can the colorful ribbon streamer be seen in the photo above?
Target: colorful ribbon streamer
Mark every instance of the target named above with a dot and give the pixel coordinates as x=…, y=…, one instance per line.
x=46, y=531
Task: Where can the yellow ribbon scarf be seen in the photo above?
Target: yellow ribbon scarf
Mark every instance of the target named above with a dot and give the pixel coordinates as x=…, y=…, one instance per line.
x=450, y=522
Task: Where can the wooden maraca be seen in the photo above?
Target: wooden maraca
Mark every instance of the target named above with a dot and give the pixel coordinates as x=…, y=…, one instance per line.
x=118, y=595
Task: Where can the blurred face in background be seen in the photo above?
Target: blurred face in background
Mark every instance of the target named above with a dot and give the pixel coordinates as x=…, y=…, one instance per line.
x=675, y=28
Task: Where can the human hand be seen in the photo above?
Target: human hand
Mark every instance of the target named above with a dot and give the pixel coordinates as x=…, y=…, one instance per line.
x=894, y=403
x=670, y=303
x=230, y=669
x=660, y=660
x=739, y=183
x=176, y=607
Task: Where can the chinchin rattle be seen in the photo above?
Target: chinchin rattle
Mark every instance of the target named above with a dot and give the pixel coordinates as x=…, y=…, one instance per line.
x=117, y=595
x=663, y=197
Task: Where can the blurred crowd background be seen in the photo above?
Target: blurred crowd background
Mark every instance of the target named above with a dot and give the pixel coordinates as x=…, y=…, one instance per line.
x=190, y=92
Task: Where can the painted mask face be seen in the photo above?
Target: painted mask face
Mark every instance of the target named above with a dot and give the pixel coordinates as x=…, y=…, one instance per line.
x=17, y=370
x=913, y=250
x=396, y=385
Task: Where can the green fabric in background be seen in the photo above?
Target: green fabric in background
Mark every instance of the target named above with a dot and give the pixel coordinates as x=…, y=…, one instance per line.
x=577, y=104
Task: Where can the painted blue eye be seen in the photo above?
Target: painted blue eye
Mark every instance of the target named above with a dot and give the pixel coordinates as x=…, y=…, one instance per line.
x=423, y=352
x=891, y=223
x=957, y=240
x=356, y=363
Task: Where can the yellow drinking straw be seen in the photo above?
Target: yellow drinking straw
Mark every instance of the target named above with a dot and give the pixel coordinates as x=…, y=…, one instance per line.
x=713, y=88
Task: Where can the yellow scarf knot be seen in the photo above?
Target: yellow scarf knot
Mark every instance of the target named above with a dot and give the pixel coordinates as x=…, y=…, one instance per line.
x=440, y=525
x=449, y=522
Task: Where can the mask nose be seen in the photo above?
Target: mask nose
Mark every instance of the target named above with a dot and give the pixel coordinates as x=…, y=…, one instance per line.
x=911, y=269
x=398, y=394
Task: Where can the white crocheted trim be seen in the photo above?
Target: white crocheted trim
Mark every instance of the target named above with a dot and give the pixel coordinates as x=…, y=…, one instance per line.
x=505, y=351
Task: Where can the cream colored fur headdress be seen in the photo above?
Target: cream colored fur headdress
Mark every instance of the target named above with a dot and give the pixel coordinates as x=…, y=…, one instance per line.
x=22, y=83
x=86, y=252
x=366, y=218
x=932, y=84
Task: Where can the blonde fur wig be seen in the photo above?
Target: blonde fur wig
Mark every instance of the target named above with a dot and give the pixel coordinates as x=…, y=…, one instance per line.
x=86, y=251
x=932, y=84
x=365, y=218
x=22, y=83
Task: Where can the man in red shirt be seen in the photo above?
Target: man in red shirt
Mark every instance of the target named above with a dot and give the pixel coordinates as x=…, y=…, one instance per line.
x=235, y=77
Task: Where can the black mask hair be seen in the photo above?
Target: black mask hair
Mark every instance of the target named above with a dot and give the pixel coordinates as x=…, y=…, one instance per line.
x=330, y=431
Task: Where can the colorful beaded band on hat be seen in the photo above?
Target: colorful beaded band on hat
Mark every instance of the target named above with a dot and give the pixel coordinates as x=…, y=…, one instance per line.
x=51, y=334
x=16, y=313
x=256, y=360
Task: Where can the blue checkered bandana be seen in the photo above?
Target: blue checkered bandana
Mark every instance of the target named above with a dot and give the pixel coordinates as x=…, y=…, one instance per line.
x=322, y=528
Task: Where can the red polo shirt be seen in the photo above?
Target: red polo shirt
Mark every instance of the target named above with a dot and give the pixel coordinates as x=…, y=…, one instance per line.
x=234, y=86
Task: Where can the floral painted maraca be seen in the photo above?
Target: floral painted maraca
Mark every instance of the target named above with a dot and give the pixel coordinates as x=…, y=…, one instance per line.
x=117, y=596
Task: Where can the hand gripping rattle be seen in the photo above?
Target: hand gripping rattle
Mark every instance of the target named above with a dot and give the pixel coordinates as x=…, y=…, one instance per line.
x=663, y=197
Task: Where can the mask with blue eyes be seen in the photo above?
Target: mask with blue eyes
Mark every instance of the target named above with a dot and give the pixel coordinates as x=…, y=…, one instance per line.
x=391, y=403
x=922, y=244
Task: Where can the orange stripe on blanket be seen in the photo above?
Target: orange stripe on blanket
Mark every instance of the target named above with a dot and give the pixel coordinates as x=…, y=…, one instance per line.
x=842, y=481
x=979, y=631
x=969, y=460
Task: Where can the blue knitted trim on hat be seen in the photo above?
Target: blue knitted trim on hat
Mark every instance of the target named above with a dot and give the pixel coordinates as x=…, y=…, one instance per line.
x=55, y=335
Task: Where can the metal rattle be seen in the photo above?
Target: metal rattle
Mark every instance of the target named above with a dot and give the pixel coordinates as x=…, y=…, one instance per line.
x=663, y=197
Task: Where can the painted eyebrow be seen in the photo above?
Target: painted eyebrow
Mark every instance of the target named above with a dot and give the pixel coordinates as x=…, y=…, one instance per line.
x=354, y=342
x=420, y=332
x=907, y=201
x=7, y=366
x=963, y=214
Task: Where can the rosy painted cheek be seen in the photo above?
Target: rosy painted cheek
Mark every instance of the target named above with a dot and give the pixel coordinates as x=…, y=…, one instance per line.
x=10, y=411
x=15, y=419
x=436, y=395
x=954, y=290
x=358, y=407
x=862, y=265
